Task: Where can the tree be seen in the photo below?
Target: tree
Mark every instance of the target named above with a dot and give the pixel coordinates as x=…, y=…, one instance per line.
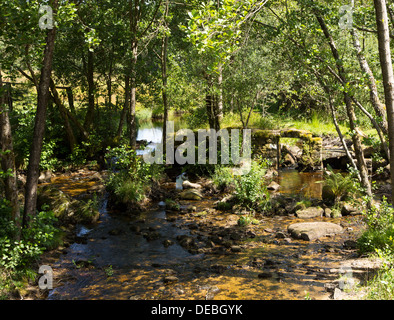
x=141, y=18
x=349, y=106
x=387, y=73
x=7, y=156
x=215, y=29
x=39, y=125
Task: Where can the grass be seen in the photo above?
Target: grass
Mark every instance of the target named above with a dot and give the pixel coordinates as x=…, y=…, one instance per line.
x=317, y=124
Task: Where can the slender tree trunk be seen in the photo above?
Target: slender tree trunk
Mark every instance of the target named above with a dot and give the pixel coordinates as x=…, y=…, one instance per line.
x=39, y=126
x=361, y=165
x=91, y=105
x=387, y=73
x=334, y=119
x=164, y=47
x=70, y=98
x=219, y=110
x=374, y=97
x=109, y=83
x=125, y=107
x=8, y=156
x=63, y=112
x=133, y=99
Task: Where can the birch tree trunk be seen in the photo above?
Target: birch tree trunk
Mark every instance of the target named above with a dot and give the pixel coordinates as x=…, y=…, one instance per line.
x=358, y=150
x=387, y=73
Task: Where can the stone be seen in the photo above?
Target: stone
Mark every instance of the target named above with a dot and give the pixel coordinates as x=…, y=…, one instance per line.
x=289, y=160
x=361, y=268
x=191, y=194
x=350, y=244
x=280, y=235
x=273, y=186
x=311, y=212
x=348, y=209
x=327, y=212
x=330, y=287
x=271, y=172
x=135, y=228
x=337, y=294
x=45, y=177
x=236, y=249
x=235, y=236
x=170, y=279
x=189, y=185
x=167, y=243
x=310, y=231
x=152, y=235
x=187, y=242
x=115, y=232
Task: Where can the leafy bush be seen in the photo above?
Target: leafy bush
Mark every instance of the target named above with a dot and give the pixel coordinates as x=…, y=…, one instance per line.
x=250, y=190
x=41, y=235
x=132, y=178
x=379, y=234
x=246, y=220
x=223, y=178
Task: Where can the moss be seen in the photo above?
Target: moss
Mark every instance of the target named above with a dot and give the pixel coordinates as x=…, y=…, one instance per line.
x=65, y=208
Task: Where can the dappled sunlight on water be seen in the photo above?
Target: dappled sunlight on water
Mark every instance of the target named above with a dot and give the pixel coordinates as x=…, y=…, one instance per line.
x=300, y=183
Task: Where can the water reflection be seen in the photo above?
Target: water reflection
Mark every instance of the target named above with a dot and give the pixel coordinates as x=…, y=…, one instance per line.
x=152, y=132
x=300, y=183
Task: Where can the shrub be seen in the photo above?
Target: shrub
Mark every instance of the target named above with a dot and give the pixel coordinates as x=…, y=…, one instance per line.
x=250, y=190
x=379, y=234
x=223, y=178
x=39, y=236
x=246, y=220
x=132, y=178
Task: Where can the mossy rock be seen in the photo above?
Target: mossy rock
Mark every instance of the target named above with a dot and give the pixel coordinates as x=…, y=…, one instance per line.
x=57, y=200
x=66, y=209
x=328, y=195
x=191, y=194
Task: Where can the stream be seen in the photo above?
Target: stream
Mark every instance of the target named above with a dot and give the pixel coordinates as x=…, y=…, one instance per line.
x=144, y=256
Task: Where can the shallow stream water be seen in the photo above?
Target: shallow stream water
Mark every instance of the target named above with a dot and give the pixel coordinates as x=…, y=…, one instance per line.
x=140, y=256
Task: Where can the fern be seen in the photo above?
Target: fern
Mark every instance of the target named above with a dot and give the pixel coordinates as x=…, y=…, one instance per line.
x=340, y=185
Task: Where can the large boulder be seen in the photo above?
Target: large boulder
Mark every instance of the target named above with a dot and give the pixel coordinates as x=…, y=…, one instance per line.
x=191, y=194
x=311, y=212
x=350, y=210
x=189, y=185
x=273, y=186
x=310, y=231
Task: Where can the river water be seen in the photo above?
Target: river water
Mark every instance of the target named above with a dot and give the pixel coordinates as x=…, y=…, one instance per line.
x=116, y=259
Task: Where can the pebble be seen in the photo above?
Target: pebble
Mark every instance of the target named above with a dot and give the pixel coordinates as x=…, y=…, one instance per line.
x=236, y=249
x=170, y=279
